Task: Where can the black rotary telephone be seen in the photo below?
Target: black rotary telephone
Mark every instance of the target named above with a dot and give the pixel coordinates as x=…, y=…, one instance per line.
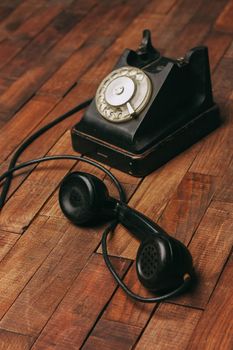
x=144, y=112
x=148, y=109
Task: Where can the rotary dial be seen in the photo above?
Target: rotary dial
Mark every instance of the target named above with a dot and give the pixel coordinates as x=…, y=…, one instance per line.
x=123, y=94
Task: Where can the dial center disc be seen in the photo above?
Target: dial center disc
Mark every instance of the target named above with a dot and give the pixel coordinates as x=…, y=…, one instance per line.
x=119, y=91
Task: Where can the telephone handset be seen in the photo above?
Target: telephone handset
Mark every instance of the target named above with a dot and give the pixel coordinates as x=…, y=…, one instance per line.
x=148, y=109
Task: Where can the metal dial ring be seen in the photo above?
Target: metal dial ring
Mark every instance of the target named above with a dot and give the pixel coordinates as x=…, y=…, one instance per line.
x=123, y=94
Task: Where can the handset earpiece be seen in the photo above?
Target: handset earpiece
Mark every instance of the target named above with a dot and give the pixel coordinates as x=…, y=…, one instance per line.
x=84, y=198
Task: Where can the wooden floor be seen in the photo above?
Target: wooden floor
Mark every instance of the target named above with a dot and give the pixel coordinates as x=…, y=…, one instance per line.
x=55, y=291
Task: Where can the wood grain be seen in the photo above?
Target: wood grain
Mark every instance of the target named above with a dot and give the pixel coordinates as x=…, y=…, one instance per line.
x=210, y=247
x=122, y=309
x=217, y=44
x=224, y=21
x=23, y=260
x=170, y=327
x=45, y=290
x=79, y=309
x=10, y=341
x=7, y=240
x=215, y=329
x=34, y=192
x=188, y=205
x=16, y=36
x=21, y=125
x=225, y=190
x=216, y=153
x=60, y=25
x=112, y=335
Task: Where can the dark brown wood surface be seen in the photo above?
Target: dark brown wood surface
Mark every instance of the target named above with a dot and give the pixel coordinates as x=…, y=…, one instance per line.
x=55, y=291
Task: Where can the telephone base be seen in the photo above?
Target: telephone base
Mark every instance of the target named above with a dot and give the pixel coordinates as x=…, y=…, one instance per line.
x=158, y=154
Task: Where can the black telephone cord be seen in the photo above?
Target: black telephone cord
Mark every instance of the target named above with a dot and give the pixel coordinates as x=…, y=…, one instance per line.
x=12, y=168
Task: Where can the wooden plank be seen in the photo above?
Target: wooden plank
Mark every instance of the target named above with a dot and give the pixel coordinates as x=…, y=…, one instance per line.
x=216, y=153
x=4, y=84
x=215, y=329
x=122, y=309
x=229, y=53
x=124, y=314
x=195, y=31
x=217, y=44
x=23, y=260
x=40, y=19
x=165, y=180
x=17, y=40
x=10, y=341
x=30, y=81
x=147, y=18
x=34, y=192
x=192, y=35
x=28, y=58
x=210, y=248
x=73, y=68
x=20, y=14
x=172, y=26
x=18, y=179
x=45, y=290
x=161, y=7
x=77, y=313
x=22, y=125
x=225, y=188
x=48, y=67
x=224, y=21
x=188, y=205
x=33, y=197
x=222, y=83
x=7, y=241
x=112, y=335
x=14, y=3
x=169, y=328
x=5, y=11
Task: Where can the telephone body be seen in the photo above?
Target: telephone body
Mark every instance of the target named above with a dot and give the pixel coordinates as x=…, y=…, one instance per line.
x=148, y=109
